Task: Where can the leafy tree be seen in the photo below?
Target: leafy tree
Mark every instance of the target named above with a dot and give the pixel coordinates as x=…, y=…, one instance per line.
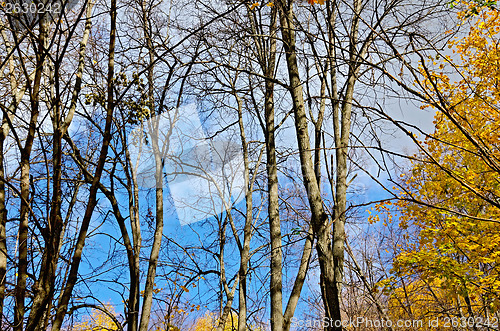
x=449, y=199
x=427, y=302
x=99, y=320
x=475, y=6
x=210, y=322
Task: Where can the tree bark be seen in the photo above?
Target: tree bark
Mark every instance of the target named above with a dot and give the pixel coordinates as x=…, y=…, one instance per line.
x=24, y=215
x=273, y=197
x=8, y=113
x=80, y=243
x=159, y=153
x=267, y=60
x=134, y=268
x=319, y=219
x=44, y=288
x=247, y=229
x=299, y=281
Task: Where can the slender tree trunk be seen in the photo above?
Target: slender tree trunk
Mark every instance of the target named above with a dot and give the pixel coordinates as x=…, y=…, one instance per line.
x=268, y=61
x=225, y=309
x=319, y=219
x=133, y=272
x=242, y=275
x=24, y=215
x=273, y=213
x=247, y=230
x=221, y=326
x=134, y=295
x=80, y=243
x=3, y=220
x=158, y=152
x=342, y=149
x=155, y=250
x=265, y=48
x=299, y=281
x=8, y=113
x=44, y=289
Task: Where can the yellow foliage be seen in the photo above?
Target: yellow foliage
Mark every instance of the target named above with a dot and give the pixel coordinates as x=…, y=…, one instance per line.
x=452, y=192
x=98, y=321
x=428, y=302
x=210, y=321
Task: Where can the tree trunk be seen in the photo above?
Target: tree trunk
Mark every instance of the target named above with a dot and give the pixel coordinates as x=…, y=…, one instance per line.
x=159, y=153
x=8, y=113
x=247, y=229
x=24, y=215
x=80, y=243
x=273, y=208
x=319, y=219
x=44, y=289
x=134, y=295
x=267, y=62
x=299, y=281
x=155, y=250
x=3, y=220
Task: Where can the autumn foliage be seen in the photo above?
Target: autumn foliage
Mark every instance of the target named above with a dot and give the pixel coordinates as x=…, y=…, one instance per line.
x=98, y=320
x=449, y=199
x=210, y=321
